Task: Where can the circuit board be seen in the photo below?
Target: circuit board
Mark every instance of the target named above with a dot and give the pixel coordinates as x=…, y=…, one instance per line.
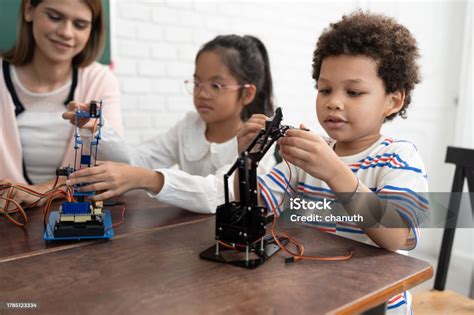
x=49, y=234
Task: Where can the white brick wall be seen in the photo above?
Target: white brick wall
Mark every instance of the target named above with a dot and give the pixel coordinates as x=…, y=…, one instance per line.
x=155, y=42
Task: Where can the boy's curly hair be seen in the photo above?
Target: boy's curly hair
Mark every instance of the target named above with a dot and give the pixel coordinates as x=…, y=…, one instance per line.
x=379, y=37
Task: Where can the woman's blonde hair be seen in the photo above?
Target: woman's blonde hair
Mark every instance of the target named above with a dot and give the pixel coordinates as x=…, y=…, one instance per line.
x=22, y=51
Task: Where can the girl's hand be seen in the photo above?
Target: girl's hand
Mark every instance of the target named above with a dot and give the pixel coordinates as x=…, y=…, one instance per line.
x=311, y=153
x=86, y=123
x=247, y=133
x=115, y=179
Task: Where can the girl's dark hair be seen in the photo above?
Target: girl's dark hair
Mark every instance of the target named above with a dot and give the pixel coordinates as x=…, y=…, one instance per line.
x=381, y=38
x=247, y=60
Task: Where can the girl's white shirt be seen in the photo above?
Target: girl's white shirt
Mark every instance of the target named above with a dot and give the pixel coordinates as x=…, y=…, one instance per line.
x=197, y=183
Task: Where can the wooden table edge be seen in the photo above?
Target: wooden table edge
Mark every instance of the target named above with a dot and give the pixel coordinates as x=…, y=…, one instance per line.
x=384, y=294
x=85, y=243
x=374, y=299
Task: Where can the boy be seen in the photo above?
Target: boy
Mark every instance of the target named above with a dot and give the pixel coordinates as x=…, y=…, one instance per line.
x=365, y=70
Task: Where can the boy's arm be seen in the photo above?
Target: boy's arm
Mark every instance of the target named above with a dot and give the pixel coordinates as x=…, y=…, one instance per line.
x=311, y=153
x=367, y=204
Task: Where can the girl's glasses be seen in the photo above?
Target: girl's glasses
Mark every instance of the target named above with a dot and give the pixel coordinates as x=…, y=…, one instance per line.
x=212, y=89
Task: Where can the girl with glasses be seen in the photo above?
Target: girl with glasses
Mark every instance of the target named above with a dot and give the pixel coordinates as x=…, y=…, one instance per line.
x=231, y=82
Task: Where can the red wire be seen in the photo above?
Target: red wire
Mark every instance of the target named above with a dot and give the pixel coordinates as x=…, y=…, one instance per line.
x=117, y=224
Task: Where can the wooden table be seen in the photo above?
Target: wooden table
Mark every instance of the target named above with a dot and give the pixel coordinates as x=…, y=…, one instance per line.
x=142, y=213
x=156, y=270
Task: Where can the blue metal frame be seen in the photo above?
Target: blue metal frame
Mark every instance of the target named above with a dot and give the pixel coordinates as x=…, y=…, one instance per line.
x=81, y=206
x=79, y=145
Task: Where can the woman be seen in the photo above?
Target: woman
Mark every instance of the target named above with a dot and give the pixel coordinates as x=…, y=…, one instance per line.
x=51, y=64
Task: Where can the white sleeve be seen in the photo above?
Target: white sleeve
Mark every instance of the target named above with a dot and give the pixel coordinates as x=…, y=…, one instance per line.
x=159, y=152
x=200, y=194
x=112, y=147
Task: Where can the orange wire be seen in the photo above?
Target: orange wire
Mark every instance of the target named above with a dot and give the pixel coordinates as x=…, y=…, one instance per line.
x=300, y=255
x=52, y=194
x=51, y=198
x=7, y=212
x=226, y=245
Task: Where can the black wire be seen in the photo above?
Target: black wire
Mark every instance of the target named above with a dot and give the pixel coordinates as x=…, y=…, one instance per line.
x=112, y=203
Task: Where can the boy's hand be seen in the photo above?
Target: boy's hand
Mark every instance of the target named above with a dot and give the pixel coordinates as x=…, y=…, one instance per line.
x=86, y=123
x=115, y=179
x=310, y=152
x=249, y=130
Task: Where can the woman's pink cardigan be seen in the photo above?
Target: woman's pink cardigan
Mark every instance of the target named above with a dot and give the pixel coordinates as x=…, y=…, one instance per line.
x=95, y=82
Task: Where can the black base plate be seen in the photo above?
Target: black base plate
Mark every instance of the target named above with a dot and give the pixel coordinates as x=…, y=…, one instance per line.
x=67, y=229
x=237, y=257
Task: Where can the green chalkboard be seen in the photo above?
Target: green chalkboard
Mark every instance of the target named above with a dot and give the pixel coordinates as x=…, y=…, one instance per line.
x=8, y=21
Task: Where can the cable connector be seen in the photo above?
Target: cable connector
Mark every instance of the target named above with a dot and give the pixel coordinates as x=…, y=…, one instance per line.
x=289, y=259
x=112, y=203
x=64, y=171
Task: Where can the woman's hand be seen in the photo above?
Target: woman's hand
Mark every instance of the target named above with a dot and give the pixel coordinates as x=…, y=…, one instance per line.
x=114, y=179
x=83, y=122
x=249, y=130
x=10, y=189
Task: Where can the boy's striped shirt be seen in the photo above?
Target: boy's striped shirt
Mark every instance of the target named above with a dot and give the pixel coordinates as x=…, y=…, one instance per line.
x=391, y=168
